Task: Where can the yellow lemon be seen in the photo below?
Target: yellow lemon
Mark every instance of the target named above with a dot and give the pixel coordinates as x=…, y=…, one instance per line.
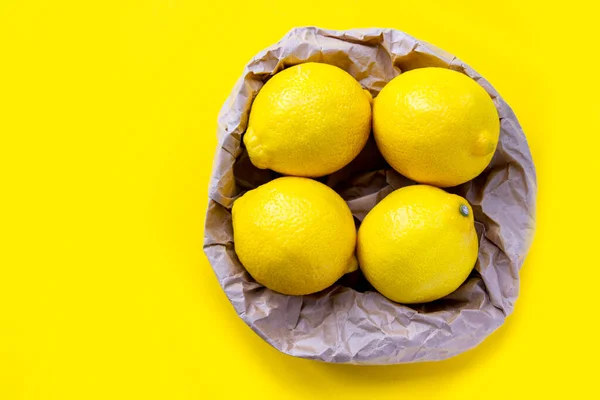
x=308, y=120
x=418, y=244
x=436, y=126
x=294, y=235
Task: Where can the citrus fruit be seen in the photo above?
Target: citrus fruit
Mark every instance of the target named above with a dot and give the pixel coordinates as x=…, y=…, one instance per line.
x=294, y=235
x=436, y=126
x=308, y=120
x=418, y=244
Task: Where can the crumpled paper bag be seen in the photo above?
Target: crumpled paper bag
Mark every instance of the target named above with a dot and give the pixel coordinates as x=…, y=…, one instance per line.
x=350, y=322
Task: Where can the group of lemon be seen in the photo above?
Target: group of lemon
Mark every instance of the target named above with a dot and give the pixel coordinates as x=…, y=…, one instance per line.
x=297, y=236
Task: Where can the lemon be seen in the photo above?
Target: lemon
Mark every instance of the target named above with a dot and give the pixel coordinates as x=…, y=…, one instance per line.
x=294, y=235
x=308, y=120
x=418, y=244
x=436, y=126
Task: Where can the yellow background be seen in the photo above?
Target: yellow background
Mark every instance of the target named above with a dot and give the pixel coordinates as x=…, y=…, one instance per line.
x=107, y=131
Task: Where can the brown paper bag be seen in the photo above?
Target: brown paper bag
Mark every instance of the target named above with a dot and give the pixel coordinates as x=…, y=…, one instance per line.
x=350, y=322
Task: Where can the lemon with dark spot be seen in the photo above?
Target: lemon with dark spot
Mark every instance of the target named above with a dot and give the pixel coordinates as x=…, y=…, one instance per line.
x=418, y=244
